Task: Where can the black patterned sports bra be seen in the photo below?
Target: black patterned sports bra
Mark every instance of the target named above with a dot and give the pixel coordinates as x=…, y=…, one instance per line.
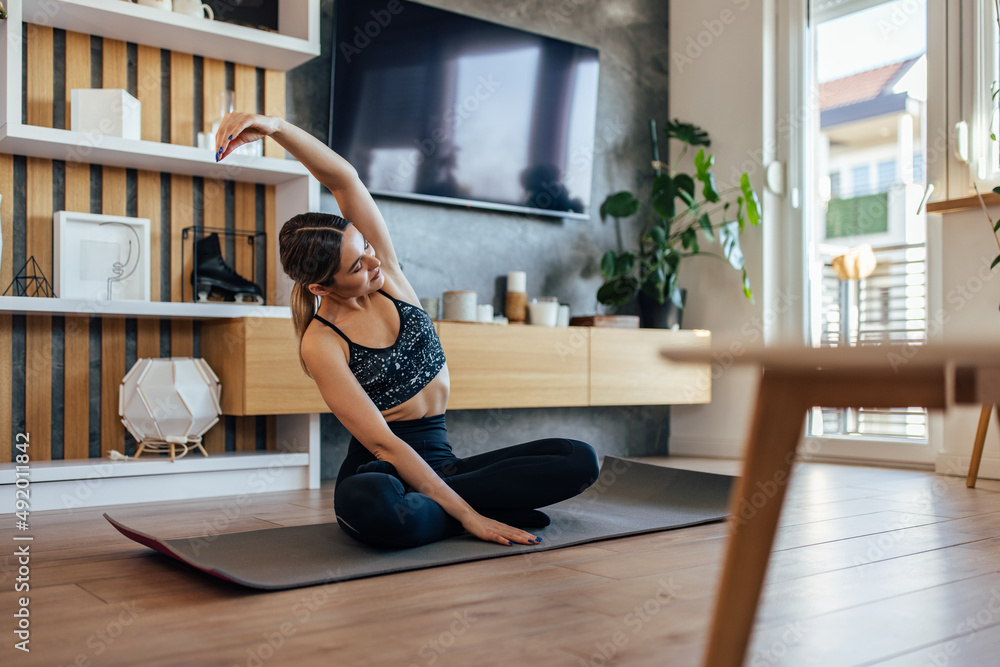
x=393, y=375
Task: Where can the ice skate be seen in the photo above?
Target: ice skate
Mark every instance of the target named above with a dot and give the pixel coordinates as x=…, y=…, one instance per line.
x=217, y=281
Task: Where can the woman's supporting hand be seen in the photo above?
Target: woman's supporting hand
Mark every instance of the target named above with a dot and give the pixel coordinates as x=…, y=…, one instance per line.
x=490, y=530
x=240, y=128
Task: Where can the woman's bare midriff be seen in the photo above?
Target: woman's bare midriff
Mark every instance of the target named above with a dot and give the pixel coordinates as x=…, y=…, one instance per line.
x=431, y=400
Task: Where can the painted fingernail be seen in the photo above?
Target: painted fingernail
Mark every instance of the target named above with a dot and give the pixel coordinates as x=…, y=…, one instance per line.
x=230, y=136
x=510, y=543
x=538, y=539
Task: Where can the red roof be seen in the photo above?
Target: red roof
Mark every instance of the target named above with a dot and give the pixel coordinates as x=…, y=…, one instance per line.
x=862, y=86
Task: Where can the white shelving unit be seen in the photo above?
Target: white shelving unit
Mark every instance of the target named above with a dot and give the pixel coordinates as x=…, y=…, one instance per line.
x=91, y=482
x=296, y=41
x=27, y=305
x=54, y=144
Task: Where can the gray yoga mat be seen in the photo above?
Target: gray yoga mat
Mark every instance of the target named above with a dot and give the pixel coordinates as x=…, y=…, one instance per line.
x=628, y=498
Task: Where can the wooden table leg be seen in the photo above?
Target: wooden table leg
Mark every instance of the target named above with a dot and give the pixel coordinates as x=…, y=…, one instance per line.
x=977, y=450
x=754, y=510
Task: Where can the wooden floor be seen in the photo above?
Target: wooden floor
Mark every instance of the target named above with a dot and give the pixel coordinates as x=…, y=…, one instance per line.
x=871, y=566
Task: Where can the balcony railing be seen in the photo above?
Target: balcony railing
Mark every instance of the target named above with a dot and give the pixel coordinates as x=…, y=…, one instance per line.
x=889, y=306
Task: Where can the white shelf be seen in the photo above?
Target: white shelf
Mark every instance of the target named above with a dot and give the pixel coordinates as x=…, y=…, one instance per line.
x=55, y=144
x=168, y=309
x=61, y=471
x=298, y=41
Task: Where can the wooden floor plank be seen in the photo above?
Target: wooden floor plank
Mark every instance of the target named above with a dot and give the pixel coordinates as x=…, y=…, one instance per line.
x=641, y=600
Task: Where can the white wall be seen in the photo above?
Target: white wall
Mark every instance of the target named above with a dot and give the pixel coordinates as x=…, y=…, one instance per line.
x=970, y=296
x=717, y=81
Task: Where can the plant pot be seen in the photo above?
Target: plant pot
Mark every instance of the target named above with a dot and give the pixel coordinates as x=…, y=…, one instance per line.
x=655, y=315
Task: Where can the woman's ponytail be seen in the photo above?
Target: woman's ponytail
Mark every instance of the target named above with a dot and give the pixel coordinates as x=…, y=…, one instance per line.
x=303, y=304
x=309, y=248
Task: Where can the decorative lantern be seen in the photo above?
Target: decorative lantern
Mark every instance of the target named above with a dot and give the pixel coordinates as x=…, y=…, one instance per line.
x=168, y=402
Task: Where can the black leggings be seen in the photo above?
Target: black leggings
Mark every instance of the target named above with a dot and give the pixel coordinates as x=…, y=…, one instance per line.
x=374, y=505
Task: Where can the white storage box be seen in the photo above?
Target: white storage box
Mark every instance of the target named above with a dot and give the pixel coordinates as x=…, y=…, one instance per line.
x=109, y=111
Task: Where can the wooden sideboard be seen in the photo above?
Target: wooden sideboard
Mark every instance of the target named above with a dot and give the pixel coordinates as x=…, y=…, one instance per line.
x=517, y=366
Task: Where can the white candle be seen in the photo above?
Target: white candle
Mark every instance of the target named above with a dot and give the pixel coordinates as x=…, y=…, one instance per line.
x=460, y=305
x=517, y=281
x=484, y=312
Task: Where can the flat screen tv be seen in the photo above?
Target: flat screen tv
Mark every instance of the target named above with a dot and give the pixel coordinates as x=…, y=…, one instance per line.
x=432, y=105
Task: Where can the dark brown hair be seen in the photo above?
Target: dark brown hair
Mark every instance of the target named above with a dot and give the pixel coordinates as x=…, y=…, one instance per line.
x=310, y=246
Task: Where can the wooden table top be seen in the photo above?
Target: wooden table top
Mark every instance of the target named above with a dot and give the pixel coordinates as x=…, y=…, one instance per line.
x=978, y=354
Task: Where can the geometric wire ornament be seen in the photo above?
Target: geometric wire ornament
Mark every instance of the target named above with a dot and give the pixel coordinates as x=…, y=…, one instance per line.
x=30, y=284
x=168, y=402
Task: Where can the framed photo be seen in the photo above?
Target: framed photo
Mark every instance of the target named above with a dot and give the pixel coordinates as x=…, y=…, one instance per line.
x=100, y=257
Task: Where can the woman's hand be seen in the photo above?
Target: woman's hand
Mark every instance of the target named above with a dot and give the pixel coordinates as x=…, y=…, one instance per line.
x=240, y=128
x=490, y=530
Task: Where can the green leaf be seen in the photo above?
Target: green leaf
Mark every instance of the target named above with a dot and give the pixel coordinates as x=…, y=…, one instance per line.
x=746, y=286
x=619, y=205
x=702, y=165
x=686, y=132
x=997, y=189
x=996, y=227
x=753, y=205
x=663, y=196
x=674, y=289
x=995, y=262
x=625, y=264
x=730, y=238
x=667, y=188
x=685, y=188
x=655, y=285
x=618, y=291
x=659, y=236
x=689, y=239
x=672, y=259
x=608, y=265
x=706, y=226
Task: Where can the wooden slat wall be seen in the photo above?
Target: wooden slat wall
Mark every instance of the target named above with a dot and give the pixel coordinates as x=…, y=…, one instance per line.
x=38, y=328
x=148, y=206
x=149, y=83
x=77, y=70
x=274, y=105
x=181, y=192
x=213, y=84
x=181, y=216
x=39, y=176
x=76, y=338
x=40, y=90
x=38, y=332
x=6, y=320
x=113, y=202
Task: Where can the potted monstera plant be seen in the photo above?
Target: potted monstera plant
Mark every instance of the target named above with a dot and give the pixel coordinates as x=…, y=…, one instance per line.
x=685, y=214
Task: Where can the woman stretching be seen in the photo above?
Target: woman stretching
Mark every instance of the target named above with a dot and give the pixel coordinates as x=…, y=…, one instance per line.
x=378, y=364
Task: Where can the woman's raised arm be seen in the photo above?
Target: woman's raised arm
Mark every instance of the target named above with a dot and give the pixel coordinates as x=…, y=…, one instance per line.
x=329, y=168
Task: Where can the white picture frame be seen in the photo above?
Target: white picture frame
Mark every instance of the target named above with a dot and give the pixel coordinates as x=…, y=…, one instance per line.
x=86, y=247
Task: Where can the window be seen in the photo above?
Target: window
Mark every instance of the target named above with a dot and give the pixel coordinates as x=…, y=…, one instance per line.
x=835, y=185
x=918, y=168
x=861, y=184
x=886, y=175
